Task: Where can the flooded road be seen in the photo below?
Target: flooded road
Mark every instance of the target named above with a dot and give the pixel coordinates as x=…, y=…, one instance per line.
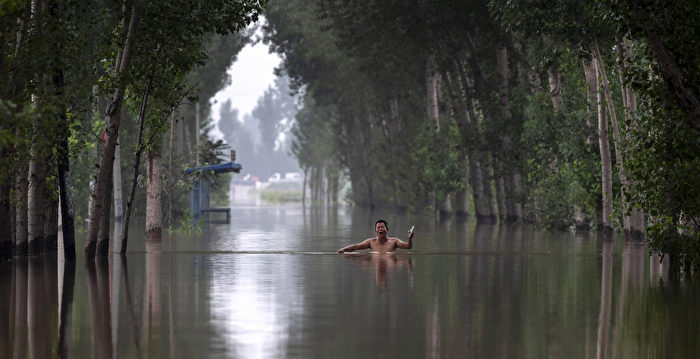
x=270, y=285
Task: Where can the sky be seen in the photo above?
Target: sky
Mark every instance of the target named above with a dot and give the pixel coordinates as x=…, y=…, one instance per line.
x=251, y=74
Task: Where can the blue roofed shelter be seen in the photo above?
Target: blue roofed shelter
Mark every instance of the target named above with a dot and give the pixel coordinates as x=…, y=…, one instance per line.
x=199, y=195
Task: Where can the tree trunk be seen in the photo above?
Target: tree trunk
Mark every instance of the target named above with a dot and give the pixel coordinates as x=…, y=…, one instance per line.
x=462, y=201
x=605, y=160
x=21, y=210
x=51, y=224
x=500, y=190
x=112, y=121
x=6, y=245
x=592, y=108
x=630, y=102
x=118, y=203
x=510, y=176
x=303, y=189
x=170, y=188
x=154, y=190
x=477, y=184
x=103, y=231
x=432, y=78
x=487, y=178
x=137, y=161
x=626, y=219
x=66, y=202
x=36, y=201
x=554, y=79
x=471, y=136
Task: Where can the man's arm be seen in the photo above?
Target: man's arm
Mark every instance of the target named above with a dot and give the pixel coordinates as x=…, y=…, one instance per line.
x=353, y=247
x=405, y=245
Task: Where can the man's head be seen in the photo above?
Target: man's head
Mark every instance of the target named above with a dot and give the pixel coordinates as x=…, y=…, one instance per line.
x=381, y=227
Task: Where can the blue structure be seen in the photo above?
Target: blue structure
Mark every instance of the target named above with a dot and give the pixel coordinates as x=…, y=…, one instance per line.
x=199, y=195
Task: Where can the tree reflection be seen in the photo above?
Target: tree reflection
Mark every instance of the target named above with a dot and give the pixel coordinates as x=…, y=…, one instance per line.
x=66, y=288
x=605, y=297
x=6, y=297
x=152, y=309
x=19, y=343
x=98, y=291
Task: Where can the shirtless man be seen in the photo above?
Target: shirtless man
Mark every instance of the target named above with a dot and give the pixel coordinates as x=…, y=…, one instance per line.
x=381, y=243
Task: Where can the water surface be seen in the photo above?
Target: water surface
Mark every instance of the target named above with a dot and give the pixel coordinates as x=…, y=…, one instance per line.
x=270, y=284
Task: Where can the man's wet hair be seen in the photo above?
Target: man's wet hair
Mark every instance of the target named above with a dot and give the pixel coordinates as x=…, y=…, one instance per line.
x=381, y=221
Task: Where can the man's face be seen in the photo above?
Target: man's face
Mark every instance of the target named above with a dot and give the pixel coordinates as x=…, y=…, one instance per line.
x=380, y=229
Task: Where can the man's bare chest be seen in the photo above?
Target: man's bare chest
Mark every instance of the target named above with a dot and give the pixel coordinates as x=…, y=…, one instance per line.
x=387, y=246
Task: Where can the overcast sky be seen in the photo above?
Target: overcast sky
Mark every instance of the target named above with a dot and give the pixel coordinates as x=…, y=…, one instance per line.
x=251, y=74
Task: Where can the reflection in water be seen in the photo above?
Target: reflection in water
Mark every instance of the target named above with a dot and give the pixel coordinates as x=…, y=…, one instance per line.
x=20, y=280
x=605, y=298
x=42, y=310
x=131, y=314
x=7, y=288
x=152, y=304
x=268, y=285
x=98, y=291
x=65, y=298
x=383, y=264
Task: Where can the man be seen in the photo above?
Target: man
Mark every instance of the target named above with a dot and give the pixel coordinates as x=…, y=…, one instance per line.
x=381, y=243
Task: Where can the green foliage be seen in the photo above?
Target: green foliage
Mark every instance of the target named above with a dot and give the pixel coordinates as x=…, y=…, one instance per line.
x=277, y=196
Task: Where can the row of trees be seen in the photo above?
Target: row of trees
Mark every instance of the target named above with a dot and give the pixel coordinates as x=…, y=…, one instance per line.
x=112, y=73
x=262, y=137
x=558, y=114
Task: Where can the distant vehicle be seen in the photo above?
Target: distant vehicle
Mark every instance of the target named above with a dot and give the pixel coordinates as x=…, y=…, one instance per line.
x=293, y=176
x=276, y=177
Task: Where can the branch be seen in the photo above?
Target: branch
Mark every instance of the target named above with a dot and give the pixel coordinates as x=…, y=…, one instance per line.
x=172, y=109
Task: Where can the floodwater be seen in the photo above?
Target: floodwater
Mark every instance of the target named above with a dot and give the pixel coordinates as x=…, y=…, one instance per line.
x=270, y=285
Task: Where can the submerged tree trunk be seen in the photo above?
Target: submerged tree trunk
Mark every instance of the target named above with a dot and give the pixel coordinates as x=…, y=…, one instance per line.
x=487, y=179
x=478, y=160
x=581, y=220
x=112, y=121
x=66, y=202
x=626, y=218
x=605, y=160
x=589, y=70
x=51, y=224
x=103, y=231
x=637, y=222
x=154, y=190
x=470, y=136
x=21, y=211
x=36, y=201
x=118, y=203
x=508, y=178
x=6, y=245
x=432, y=79
x=137, y=161
x=462, y=200
x=500, y=188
